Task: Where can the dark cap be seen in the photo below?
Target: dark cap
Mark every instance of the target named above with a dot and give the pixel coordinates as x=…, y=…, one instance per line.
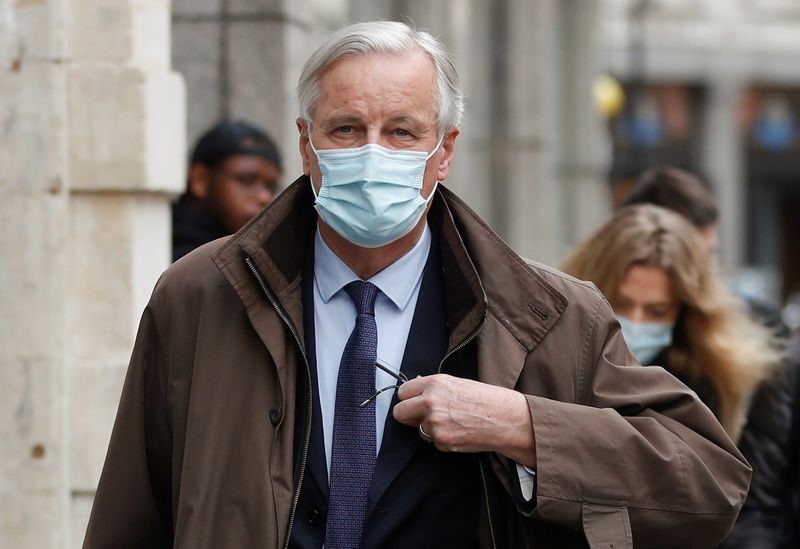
x=232, y=137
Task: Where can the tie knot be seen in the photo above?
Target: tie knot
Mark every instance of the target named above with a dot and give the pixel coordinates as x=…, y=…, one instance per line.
x=363, y=295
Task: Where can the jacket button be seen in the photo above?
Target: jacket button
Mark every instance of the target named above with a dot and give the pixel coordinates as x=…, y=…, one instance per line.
x=313, y=517
x=275, y=415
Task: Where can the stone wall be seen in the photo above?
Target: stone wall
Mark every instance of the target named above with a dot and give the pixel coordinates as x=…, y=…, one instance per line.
x=91, y=144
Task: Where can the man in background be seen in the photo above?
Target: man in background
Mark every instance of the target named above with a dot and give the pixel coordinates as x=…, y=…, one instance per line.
x=234, y=172
x=683, y=193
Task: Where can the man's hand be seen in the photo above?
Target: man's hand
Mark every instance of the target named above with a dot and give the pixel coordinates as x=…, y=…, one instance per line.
x=462, y=415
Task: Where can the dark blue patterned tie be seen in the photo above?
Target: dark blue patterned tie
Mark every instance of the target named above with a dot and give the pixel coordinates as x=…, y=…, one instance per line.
x=353, y=454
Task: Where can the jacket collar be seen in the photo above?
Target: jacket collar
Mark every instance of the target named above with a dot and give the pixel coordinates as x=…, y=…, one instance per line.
x=483, y=278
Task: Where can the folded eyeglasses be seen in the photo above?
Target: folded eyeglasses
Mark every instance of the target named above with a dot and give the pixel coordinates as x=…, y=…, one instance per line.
x=397, y=374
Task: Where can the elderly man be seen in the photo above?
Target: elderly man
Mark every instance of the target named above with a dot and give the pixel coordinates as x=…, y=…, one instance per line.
x=368, y=365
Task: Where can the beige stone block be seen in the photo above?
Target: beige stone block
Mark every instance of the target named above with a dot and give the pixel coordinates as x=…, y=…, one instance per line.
x=80, y=508
x=31, y=275
x=100, y=282
x=119, y=245
x=151, y=248
x=127, y=129
x=165, y=133
x=103, y=32
x=9, y=38
x=31, y=471
x=124, y=32
x=32, y=120
x=31, y=31
x=107, y=135
x=151, y=33
x=94, y=394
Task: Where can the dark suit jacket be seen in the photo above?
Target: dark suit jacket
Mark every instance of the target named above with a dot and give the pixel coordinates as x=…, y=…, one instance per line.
x=419, y=497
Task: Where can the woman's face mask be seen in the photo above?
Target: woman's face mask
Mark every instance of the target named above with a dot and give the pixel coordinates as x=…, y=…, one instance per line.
x=646, y=339
x=370, y=195
x=647, y=309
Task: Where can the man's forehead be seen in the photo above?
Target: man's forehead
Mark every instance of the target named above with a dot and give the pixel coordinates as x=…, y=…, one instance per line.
x=401, y=87
x=413, y=67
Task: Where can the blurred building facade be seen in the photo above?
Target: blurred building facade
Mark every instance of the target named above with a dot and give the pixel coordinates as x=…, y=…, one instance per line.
x=94, y=130
x=713, y=86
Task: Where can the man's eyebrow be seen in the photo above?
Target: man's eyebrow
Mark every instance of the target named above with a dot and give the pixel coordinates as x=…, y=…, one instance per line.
x=408, y=119
x=340, y=120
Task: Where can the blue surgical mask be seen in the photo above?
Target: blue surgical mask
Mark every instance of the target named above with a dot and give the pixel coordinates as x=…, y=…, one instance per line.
x=371, y=195
x=646, y=339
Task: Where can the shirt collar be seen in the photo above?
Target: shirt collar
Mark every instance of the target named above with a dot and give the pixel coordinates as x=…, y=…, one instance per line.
x=397, y=281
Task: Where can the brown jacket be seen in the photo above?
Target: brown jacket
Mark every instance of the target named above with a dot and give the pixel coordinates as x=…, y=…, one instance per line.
x=201, y=455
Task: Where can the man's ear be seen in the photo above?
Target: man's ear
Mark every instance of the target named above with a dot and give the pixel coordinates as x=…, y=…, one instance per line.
x=304, y=129
x=447, y=152
x=199, y=185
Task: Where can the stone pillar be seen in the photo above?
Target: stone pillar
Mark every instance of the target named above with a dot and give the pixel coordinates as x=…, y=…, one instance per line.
x=34, y=202
x=528, y=186
x=724, y=164
x=93, y=140
x=580, y=159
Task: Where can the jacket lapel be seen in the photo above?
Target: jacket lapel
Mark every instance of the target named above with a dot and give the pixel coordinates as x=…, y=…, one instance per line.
x=518, y=307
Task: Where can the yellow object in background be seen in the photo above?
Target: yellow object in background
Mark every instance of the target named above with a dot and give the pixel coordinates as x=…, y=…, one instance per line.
x=609, y=97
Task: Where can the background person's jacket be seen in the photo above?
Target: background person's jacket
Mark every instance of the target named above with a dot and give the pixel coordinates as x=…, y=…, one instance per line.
x=770, y=518
x=192, y=226
x=202, y=457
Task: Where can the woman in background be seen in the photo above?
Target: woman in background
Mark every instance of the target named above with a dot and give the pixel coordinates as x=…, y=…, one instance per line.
x=674, y=310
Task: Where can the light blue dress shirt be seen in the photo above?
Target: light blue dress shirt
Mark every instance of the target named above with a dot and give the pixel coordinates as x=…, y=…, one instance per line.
x=335, y=318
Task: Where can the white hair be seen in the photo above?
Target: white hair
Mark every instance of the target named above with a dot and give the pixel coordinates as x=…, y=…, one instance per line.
x=384, y=37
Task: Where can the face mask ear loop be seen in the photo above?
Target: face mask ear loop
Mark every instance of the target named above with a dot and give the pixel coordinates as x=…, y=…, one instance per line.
x=433, y=191
x=436, y=148
x=313, y=148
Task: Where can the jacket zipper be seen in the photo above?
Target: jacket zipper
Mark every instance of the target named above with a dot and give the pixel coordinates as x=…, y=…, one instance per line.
x=309, y=408
x=461, y=345
x=488, y=509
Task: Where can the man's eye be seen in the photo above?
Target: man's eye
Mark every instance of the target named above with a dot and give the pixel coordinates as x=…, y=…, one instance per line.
x=401, y=132
x=344, y=129
x=246, y=179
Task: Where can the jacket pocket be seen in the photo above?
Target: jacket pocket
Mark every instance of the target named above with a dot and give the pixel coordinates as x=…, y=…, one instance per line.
x=606, y=527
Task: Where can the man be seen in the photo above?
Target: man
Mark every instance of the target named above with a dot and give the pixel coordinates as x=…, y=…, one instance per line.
x=260, y=408
x=234, y=172
x=681, y=192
